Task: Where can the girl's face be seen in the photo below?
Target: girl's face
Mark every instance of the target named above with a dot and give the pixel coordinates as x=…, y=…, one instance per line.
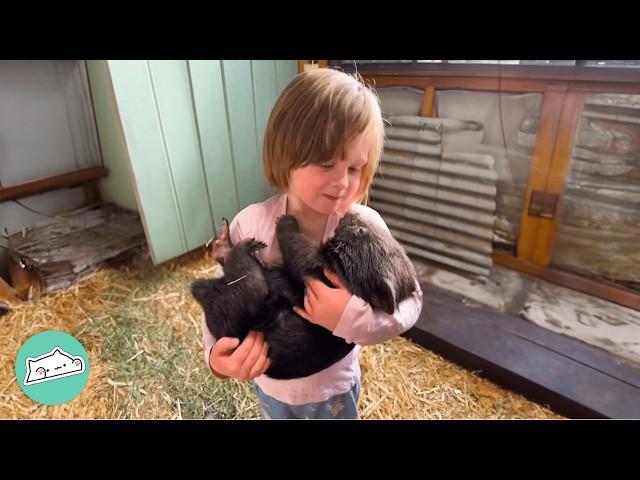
x=333, y=185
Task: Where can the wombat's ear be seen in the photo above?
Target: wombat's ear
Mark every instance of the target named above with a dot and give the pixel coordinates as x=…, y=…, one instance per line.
x=200, y=289
x=383, y=298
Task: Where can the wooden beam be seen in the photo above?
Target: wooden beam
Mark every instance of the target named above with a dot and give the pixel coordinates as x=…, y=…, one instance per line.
x=428, y=102
x=598, y=288
x=604, y=87
x=42, y=185
x=399, y=80
x=552, y=106
x=557, y=176
x=466, y=83
x=491, y=84
x=545, y=74
x=505, y=84
x=321, y=64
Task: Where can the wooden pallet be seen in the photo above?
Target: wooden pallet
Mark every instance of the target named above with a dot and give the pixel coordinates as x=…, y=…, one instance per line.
x=53, y=254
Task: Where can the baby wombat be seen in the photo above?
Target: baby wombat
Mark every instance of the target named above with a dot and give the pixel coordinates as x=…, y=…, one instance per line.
x=250, y=297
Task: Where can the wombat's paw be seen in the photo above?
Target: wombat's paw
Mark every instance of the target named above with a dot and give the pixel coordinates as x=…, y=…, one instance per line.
x=287, y=223
x=253, y=246
x=200, y=289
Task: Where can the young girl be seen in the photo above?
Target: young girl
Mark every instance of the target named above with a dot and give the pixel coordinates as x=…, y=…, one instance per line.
x=321, y=149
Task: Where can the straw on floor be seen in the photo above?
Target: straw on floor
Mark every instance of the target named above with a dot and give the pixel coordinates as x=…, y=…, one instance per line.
x=141, y=329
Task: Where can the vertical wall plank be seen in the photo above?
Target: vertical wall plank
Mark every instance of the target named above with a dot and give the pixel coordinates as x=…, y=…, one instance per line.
x=211, y=114
x=240, y=113
x=552, y=106
x=149, y=161
x=557, y=178
x=428, y=102
x=175, y=109
x=194, y=132
x=264, y=96
x=285, y=71
x=117, y=187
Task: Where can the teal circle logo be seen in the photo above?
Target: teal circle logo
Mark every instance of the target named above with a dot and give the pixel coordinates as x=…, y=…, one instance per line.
x=52, y=367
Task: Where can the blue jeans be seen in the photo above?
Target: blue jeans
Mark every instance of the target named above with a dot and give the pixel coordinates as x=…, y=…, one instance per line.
x=342, y=406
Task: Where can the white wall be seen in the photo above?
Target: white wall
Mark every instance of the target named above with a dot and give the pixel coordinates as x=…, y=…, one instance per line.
x=47, y=128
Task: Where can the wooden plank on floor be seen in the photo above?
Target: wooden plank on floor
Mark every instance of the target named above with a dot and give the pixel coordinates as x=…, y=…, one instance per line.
x=578, y=350
x=577, y=381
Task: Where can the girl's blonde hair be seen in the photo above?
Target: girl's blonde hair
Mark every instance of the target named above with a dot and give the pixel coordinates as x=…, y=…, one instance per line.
x=316, y=116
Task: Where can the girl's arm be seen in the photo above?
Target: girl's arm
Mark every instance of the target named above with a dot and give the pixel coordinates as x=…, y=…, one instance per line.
x=349, y=316
x=361, y=324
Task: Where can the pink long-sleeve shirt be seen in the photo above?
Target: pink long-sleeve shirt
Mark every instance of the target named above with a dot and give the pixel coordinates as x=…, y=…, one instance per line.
x=359, y=323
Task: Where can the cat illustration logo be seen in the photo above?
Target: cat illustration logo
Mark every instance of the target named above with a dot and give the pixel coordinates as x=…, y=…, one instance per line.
x=52, y=366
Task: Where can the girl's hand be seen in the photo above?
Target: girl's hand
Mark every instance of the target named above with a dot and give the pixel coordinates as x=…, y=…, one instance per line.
x=245, y=361
x=324, y=305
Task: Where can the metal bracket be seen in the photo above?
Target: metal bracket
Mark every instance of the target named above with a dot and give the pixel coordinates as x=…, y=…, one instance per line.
x=543, y=204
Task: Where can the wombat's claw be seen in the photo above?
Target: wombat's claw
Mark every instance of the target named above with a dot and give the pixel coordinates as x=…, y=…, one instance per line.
x=254, y=246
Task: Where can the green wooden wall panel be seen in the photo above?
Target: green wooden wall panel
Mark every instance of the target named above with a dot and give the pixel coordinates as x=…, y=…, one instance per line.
x=118, y=185
x=194, y=132
x=211, y=113
x=285, y=71
x=240, y=112
x=148, y=156
x=264, y=96
x=178, y=123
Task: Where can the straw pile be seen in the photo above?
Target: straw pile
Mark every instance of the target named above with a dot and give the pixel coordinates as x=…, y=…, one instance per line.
x=142, y=332
x=402, y=380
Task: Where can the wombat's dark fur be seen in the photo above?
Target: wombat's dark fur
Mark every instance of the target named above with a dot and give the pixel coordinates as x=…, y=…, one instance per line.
x=249, y=297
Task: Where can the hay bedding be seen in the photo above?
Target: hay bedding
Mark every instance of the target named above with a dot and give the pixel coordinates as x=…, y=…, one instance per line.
x=141, y=330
